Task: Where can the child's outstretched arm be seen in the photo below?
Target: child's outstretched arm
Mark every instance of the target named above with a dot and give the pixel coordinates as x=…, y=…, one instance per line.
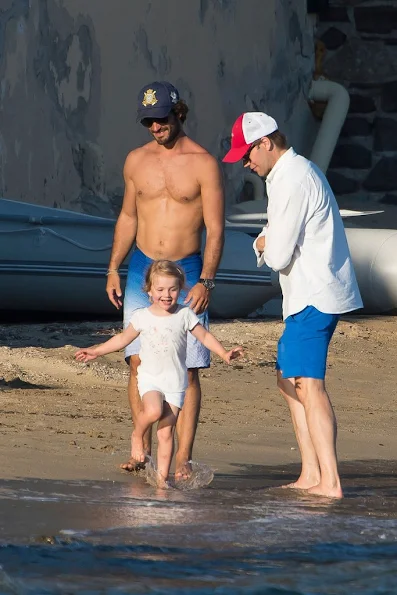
x=114, y=344
x=209, y=341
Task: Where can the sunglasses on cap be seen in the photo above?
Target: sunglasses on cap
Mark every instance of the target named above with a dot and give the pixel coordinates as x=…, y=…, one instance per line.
x=148, y=122
x=247, y=156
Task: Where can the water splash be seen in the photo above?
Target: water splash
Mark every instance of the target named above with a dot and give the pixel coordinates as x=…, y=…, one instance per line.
x=201, y=476
x=153, y=477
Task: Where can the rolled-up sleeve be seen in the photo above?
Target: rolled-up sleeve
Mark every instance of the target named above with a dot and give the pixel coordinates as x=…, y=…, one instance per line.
x=287, y=218
x=260, y=261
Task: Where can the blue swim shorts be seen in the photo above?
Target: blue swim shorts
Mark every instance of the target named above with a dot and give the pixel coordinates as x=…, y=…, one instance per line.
x=197, y=355
x=303, y=346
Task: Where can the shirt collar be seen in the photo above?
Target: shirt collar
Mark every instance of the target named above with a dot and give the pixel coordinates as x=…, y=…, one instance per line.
x=284, y=159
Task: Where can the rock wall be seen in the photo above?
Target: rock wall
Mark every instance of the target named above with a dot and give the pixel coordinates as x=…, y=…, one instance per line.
x=361, y=41
x=70, y=71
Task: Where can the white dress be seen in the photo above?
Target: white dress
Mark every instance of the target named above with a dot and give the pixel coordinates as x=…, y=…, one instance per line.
x=163, y=351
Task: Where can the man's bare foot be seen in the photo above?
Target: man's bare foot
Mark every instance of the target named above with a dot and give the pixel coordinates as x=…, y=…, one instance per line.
x=292, y=486
x=183, y=471
x=302, y=483
x=327, y=491
x=132, y=466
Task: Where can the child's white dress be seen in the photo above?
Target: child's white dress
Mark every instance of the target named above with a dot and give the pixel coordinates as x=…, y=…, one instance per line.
x=163, y=352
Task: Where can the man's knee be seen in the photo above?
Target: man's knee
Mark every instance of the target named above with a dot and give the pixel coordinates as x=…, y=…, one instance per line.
x=134, y=362
x=283, y=384
x=300, y=387
x=133, y=393
x=193, y=377
x=280, y=382
x=309, y=389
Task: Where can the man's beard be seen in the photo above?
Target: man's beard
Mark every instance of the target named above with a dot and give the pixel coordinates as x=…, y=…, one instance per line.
x=173, y=133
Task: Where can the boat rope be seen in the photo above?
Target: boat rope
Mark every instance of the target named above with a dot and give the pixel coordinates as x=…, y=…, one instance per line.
x=44, y=230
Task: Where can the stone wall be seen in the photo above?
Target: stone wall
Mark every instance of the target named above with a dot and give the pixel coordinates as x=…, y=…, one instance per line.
x=70, y=71
x=361, y=41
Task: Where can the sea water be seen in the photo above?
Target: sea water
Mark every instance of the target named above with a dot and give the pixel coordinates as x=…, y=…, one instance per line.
x=238, y=535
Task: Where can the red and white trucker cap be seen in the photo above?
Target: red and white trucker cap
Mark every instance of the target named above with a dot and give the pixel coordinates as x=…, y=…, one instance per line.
x=248, y=128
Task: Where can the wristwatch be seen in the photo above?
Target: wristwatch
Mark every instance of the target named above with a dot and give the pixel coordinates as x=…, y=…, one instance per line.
x=208, y=283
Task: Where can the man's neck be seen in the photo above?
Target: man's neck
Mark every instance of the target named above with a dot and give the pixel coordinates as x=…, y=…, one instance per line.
x=278, y=154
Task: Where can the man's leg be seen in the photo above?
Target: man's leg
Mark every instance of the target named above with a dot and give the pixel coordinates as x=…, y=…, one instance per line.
x=136, y=407
x=322, y=427
x=302, y=356
x=310, y=472
x=187, y=425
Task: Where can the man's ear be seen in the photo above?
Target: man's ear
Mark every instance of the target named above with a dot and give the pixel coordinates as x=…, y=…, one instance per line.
x=267, y=143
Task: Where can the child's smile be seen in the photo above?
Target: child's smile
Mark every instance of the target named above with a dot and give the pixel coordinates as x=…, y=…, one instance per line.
x=164, y=292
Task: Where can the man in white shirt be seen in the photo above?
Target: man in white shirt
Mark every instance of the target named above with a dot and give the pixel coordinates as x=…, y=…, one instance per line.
x=305, y=241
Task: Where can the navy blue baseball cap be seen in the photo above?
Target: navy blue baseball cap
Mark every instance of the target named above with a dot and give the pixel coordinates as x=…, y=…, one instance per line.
x=156, y=100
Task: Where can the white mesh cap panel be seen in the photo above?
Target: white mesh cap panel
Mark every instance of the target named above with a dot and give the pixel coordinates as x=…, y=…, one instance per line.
x=257, y=124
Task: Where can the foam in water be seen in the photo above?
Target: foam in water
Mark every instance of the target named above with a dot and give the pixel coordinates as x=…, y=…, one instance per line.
x=201, y=476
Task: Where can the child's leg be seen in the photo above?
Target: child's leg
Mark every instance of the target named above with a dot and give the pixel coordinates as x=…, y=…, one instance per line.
x=152, y=409
x=165, y=438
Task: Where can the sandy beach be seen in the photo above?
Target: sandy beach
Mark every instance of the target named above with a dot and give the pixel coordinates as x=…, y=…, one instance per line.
x=66, y=420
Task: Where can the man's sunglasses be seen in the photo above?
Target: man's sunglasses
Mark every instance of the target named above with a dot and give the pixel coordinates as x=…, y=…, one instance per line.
x=247, y=156
x=147, y=122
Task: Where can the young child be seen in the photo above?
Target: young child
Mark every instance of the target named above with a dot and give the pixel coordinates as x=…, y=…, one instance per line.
x=162, y=373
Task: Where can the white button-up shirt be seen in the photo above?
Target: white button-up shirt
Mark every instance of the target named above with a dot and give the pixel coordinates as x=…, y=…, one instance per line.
x=306, y=240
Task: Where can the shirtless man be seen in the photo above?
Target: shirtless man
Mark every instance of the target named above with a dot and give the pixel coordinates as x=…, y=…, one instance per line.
x=173, y=189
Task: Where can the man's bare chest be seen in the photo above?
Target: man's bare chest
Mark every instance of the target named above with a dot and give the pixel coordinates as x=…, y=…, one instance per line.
x=167, y=185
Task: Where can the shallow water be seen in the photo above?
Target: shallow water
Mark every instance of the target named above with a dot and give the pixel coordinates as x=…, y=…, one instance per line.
x=235, y=536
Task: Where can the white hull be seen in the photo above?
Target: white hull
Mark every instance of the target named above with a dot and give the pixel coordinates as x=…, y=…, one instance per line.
x=52, y=260
x=56, y=261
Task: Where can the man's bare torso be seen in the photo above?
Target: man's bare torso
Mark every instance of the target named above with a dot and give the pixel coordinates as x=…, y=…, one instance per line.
x=168, y=198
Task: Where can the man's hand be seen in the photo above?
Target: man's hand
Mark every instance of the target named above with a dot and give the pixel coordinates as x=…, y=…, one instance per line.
x=113, y=289
x=260, y=244
x=199, y=298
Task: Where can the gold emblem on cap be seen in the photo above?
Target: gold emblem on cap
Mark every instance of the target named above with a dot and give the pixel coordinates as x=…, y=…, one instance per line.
x=149, y=98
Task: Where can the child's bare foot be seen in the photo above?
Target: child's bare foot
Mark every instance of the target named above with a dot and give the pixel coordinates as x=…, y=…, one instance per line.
x=161, y=482
x=137, y=451
x=133, y=465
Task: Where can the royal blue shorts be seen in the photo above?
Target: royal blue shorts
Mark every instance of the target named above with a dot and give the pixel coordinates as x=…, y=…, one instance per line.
x=197, y=355
x=303, y=346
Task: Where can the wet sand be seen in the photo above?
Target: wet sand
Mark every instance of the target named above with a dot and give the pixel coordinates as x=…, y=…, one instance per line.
x=65, y=421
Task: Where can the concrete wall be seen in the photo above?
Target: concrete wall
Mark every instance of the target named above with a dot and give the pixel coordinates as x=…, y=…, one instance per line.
x=70, y=71
x=360, y=39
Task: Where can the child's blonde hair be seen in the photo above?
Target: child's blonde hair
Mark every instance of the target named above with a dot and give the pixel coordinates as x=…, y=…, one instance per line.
x=166, y=268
